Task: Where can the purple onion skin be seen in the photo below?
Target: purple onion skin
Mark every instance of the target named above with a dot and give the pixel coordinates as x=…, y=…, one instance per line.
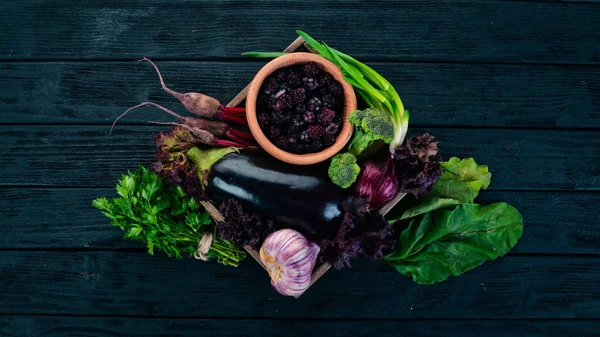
x=378, y=183
x=289, y=258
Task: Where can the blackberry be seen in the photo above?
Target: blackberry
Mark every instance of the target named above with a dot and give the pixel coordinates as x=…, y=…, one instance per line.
x=304, y=137
x=314, y=104
x=281, y=91
x=332, y=129
x=298, y=121
x=277, y=117
x=273, y=132
x=294, y=79
x=326, y=79
x=301, y=108
x=263, y=119
x=309, y=117
x=273, y=103
x=315, y=132
x=294, y=134
x=326, y=116
x=329, y=140
x=270, y=86
x=328, y=100
x=298, y=95
x=335, y=89
x=297, y=148
x=311, y=69
x=316, y=146
x=280, y=75
x=285, y=101
x=282, y=143
x=310, y=83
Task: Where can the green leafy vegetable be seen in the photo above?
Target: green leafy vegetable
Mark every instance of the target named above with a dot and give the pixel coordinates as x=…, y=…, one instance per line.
x=450, y=242
x=343, y=169
x=459, y=184
x=150, y=209
x=370, y=125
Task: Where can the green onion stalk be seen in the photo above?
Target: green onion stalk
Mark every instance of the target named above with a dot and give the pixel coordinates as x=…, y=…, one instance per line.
x=369, y=84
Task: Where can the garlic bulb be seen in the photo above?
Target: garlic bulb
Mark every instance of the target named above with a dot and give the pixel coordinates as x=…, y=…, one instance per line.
x=289, y=258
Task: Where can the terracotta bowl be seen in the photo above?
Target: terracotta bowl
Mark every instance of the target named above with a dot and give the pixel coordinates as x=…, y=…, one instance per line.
x=292, y=158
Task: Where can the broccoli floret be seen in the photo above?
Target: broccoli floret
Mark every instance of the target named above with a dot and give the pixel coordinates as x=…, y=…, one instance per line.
x=370, y=125
x=343, y=169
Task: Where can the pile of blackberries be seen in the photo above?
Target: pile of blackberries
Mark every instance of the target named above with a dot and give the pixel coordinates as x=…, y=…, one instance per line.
x=300, y=108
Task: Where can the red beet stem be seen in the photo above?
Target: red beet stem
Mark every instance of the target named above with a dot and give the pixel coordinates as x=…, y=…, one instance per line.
x=181, y=118
x=235, y=118
x=233, y=110
x=197, y=103
x=239, y=140
x=208, y=138
x=239, y=134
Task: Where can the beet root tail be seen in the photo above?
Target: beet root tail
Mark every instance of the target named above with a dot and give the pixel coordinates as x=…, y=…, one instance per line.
x=162, y=82
x=141, y=105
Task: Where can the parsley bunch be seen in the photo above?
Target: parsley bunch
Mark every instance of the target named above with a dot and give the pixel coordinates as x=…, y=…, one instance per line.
x=150, y=209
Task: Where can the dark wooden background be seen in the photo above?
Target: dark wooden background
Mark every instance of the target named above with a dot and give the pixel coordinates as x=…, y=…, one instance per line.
x=515, y=84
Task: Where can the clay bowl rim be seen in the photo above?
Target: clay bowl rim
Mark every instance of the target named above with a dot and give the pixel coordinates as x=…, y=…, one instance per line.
x=349, y=105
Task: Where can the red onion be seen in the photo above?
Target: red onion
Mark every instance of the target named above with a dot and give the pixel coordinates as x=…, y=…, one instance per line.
x=378, y=183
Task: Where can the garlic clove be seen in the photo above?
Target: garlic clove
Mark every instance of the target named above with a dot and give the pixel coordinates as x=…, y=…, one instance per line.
x=289, y=258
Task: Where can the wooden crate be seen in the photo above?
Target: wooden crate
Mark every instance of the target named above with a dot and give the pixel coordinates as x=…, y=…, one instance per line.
x=297, y=45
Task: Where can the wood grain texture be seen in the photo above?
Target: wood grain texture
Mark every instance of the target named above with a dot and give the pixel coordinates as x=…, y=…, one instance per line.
x=498, y=31
x=435, y=94
x=60, y=326
x=555, y=223
x=136, y=284
x=87, y=156
x=49, y=218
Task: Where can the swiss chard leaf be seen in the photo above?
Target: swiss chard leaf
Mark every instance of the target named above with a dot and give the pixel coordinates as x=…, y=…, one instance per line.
x=450, y=242
x=459, y=184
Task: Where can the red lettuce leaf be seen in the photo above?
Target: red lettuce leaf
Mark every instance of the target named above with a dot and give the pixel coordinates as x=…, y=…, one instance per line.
x=362, y=234
x=418, y=164
x=172, y=162
x=241, y=227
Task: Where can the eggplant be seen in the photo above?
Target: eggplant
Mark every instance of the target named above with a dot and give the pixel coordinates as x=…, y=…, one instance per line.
x=298, y=197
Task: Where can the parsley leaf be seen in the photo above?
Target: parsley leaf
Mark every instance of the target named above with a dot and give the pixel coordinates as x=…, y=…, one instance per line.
x=151, y=210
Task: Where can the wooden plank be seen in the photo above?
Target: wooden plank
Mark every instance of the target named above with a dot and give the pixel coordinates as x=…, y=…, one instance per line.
x=55, y=326
x=436, y=94
x=136, y=284
x=87, y=156
x=49, y=218
x=497, y=31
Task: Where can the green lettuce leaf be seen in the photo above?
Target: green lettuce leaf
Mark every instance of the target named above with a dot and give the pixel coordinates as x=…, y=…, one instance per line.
x=450, y=242
x=459, y=184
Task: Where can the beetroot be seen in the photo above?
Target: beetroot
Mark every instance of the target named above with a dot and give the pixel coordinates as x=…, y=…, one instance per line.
x=209, y=139
x=200, y=126
x=202, y=105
